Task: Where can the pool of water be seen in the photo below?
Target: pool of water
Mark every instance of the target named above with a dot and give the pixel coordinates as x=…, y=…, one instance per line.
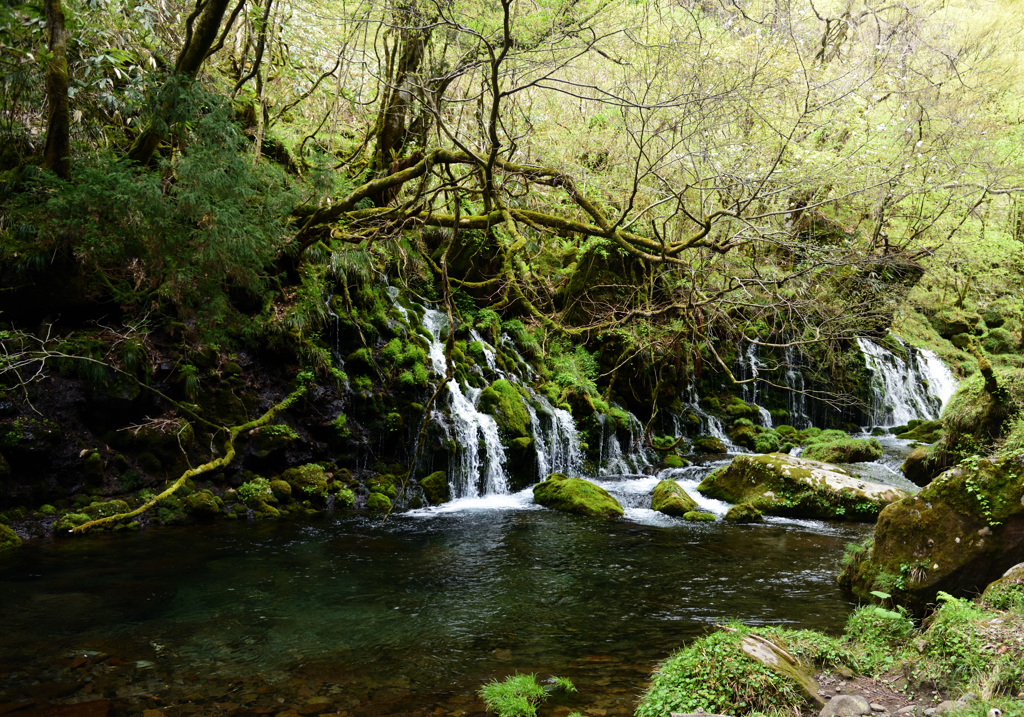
x=409, y=616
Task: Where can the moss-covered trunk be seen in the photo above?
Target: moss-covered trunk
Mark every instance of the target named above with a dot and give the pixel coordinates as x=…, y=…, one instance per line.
x=57, y=154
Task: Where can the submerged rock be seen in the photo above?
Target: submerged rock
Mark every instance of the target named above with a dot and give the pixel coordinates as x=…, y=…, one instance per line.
x=575, y=495
x=778, y=484
x=697, y=516
x=957, y=535
x=744, y=513
x=669, y=498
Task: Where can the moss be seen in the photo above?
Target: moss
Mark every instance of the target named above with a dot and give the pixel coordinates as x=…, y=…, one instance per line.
x=268, y=439
x=29, y=435
x=307, y=480
x=706, y=445
x=435, y=487
x=68, y=522
x=8, y=538
x=949, y=322
x=105, y=510
x=738, y=409
x=204, y=505
x=264, y=511
x=674, y=461
x=993, y=319
x=767, y=442
x=282, y=490
x=378, y=502
x=744, y=513
x=575, y=495
x=697, y=516
x=778, y=484
x=392, y=352
x=669, y=498
x=924, y=431
x=344, y=498
x=47, y=509
x=503, y=401
x=999, y=341
x=847, y=450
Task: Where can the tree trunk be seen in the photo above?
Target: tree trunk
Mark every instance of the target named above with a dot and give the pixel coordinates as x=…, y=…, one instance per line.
x=200, y=35
x=57, y=154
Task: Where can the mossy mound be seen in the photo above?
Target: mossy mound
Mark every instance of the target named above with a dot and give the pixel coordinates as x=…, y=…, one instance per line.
x=707, y=445
x=921, y=465
x=674, y=461
x=8, y=538
x=778, y=484
x=69, y=522
x=697, y=516
x=949, y=322
x=923, y=431
x=999, y=341
x=281, y=490
x=307, y=480
x=957, y=535
x=204, y=505
x=844, y=450
x=502, y=400
x=669, y=498
x=575, y=495
x=378, y=502
x=744, y=513
x=730, y=672
x=737, y=408
x=435, y=487
x=105, y=510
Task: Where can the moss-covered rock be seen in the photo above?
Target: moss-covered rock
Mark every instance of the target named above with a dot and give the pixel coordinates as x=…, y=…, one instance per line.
x=204, y=505
x=707, y=445
x=105, y=509
x=993, y=319
x=778, y=484
x=8, y=538
x=697, y=516
x=957, y=535
x=502, y=400
x=844, y=450
x=950, y=322
x=924, y=431
x=282, y=490
x=744, y=513
x=264, y=511
x=575, y=495
x=28, y=435
x=737, y=408
x=922, y=465
x=674, y=461
x=378, y=502
x=435, y=487
x=305, y=481
x=669, y=498
x=999, y=341
x=66, y=523
x=268, y=439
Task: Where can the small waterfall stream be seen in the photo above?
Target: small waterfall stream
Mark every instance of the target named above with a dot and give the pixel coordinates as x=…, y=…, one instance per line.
x=749, y=370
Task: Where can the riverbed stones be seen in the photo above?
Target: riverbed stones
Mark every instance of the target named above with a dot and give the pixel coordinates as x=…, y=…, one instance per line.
x=669, y=498
x=779, y=484
x=744, y=513
x=846, y=706
x=575, y=495
x=960, y=533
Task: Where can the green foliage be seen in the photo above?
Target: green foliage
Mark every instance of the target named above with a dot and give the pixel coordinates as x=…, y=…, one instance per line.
x=879, y=634
x=257, y=488
x=518, y=695
x=712, y=674
x=574, y=371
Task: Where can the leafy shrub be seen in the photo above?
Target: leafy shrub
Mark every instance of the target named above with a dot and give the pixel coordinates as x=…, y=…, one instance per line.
x=256, y=489
x=880, y=635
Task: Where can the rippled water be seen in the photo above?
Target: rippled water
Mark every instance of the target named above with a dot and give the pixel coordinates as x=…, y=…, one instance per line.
x=414, y=614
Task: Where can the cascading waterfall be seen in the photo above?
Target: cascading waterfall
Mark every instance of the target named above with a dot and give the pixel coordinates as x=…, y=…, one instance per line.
x=796, y=399
x=749, y=370
x=558, y=445
x=615, y=461
x=710, y=425
x=905, y=390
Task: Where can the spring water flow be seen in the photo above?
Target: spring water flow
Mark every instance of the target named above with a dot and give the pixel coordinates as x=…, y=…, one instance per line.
x=902, y=390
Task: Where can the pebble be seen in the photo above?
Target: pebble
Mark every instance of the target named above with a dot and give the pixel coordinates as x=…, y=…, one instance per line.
x=877, y=707
x=907, y=709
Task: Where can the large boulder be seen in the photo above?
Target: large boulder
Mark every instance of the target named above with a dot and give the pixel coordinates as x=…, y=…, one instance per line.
x=669, y=498
x=960, y=533
x=844, y=450
x=575, y=495
x=8, y=538
x=950, y=322
x=779, y=484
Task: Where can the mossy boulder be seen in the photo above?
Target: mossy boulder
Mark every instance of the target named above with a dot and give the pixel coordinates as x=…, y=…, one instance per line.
x=503, y=401
x=744, y=513
x=737, y=408
x=674, y=461
x=778, y=484
x=282, y=490
x=435, y=487
x=993, y=319
x=924, y=431
x=575, y=495
x=743, y=433
x=105, y=509
x=697, y=516
x=378, y=502
x=999, y=341
x=960, y=533
x=922, y=465
x=305, y=481
x=268, y=439
x=204, y=505
x=264, y=511
x=767, y=441
x=8, y=538
x=707, y=445
x=669, y=498
x=950, y=322
x=66, y=523
x=844, y=450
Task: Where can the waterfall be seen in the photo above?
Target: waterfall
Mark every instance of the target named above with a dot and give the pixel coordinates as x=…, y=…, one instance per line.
x=557, y=443
x=615, y=460
x=902, y=390
x=473, y=432
x=710, y=425
x=796, y=400
x=749, y=370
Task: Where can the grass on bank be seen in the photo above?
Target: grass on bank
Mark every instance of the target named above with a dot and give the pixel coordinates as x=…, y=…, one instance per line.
x=964, y=646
